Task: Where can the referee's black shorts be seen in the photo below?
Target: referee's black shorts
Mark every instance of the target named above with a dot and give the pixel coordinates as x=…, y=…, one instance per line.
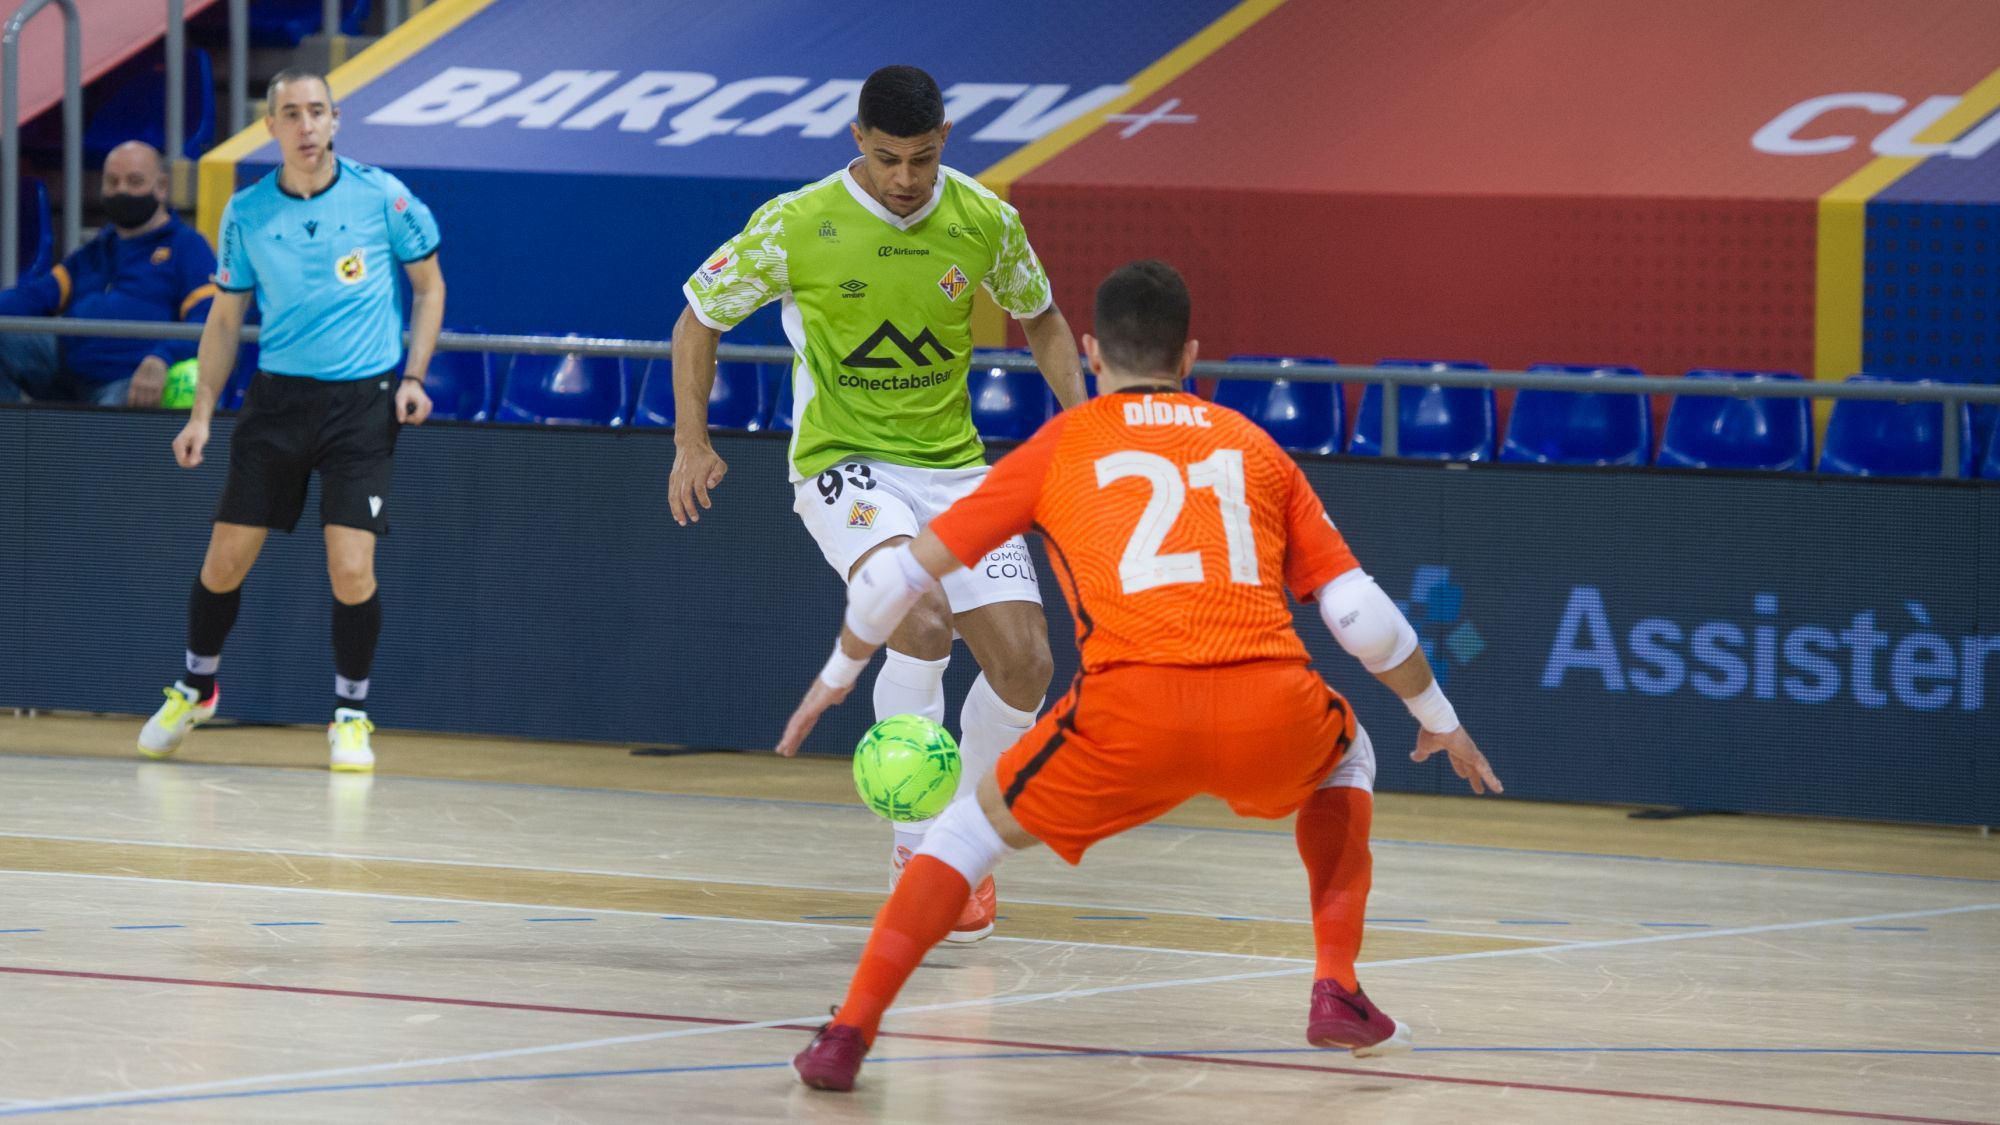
x=292, y=426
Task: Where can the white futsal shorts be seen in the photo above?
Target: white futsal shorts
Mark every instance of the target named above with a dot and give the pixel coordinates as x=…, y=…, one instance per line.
x=857, y=504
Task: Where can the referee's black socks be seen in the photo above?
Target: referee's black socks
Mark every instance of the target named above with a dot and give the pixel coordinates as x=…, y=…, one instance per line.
x=210, y=617
x=355, y=630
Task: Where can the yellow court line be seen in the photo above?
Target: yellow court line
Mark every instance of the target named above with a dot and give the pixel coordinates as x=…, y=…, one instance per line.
x=1843, y=239
x=217, y=181
x=1000, y=177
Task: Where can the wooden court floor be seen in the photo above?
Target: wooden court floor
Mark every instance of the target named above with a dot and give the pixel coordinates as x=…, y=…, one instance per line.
x=500, y=931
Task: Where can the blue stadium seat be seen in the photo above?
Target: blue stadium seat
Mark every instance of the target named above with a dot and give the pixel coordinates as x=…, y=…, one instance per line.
x=1989, y=466
x=1301, y=417
x=38, y=239
x=284, y=23
x=1879, y=438
x=737, y=402
x=564, y=390
x=133, y=110
x=1007, y=405
x=1438, y=423
x=1582, y=427
x=460, y=385
x=1719, y=432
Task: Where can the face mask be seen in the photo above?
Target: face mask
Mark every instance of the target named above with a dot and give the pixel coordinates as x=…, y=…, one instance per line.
x=130, y=211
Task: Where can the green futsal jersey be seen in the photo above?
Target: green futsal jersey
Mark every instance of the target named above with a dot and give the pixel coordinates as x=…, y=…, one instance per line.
x=879, y=310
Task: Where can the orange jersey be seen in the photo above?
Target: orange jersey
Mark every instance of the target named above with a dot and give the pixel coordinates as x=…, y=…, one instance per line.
x=1175, y=526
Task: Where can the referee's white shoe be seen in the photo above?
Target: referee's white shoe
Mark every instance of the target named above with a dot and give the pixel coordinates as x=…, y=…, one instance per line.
x=182, y=712
x=347, y=736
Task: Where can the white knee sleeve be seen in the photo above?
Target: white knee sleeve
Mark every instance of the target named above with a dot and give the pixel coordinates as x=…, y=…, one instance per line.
x=1357, y=767
x=883, y=590
x=965, y=839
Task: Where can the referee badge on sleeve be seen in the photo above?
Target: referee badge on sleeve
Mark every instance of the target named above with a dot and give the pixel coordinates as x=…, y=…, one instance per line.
x=352, y=268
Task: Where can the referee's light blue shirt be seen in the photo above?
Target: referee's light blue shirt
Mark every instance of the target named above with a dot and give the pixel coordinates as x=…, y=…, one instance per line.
x=324, y=269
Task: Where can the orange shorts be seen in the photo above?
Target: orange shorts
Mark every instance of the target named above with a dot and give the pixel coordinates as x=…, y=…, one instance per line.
x=1131, y=742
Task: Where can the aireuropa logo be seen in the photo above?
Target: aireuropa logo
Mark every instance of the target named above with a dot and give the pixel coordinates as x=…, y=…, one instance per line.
x=1770, y=657
x=1436, y=611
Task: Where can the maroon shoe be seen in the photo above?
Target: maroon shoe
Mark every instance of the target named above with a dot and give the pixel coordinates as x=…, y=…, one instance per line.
x=832, y=1059
x=1349, y=1021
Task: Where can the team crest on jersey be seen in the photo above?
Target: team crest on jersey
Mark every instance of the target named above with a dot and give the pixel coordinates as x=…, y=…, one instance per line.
x=862, y=514
x=953, y=283
x=352, y=268
x=161, y=255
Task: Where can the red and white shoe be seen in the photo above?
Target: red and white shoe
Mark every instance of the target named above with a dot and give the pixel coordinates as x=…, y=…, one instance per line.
x=1350, y=1021
x=976, y=920
x=832, y=1059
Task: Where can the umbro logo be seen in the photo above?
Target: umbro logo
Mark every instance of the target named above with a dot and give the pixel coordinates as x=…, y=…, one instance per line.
x=312, y=228
x=854, y=288
x=913, y=349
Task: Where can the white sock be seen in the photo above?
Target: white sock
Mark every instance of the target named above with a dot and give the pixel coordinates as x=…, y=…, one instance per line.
x=908, y=686
x=989, y=727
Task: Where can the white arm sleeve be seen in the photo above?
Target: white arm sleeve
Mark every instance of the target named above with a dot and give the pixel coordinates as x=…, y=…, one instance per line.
x=1365, y=622
x=883, y=590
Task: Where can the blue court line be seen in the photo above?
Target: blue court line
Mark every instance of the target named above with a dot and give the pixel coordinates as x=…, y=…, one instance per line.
x=30, y=931
x=161, y=926
x=679, y=918
x=1897, y=929
x=423, y=921
x=857, y=808
x=1232, y=918
x=560, y=919
x=288, y=923
x=643, y=1072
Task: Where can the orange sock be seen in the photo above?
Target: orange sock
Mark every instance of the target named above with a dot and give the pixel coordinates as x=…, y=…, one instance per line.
x=1332, y=832
x=926, y=902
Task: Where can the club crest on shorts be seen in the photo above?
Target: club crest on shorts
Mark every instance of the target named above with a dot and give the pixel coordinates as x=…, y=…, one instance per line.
x=862, y=514
x=953, y=283
x=352, y=268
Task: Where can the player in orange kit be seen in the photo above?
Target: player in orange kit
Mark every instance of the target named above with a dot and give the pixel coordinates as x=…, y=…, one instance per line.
x=1176, y=526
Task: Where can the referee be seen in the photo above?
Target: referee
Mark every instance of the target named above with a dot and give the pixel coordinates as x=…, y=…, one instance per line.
x=318, y=242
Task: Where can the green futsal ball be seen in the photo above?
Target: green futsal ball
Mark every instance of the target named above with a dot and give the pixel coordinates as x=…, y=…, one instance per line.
x=906, y=768
x=178, y=392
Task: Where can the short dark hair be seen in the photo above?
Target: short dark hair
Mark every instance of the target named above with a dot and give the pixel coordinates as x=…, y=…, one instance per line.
x=294, y=74
x=902, y=101
x=1141, y=319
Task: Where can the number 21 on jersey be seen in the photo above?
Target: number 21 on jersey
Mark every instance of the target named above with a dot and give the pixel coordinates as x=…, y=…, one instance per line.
x=1143, y=567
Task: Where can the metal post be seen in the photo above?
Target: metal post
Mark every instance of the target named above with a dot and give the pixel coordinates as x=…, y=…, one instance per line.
x=1948, y=411
x=10, y=132
x=330, y=18
x=1392, y=420
x=392, y=15
x=239, y=66
x=176, y=87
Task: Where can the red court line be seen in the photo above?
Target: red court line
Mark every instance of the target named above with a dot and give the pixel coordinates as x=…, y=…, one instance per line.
x=662, y=1017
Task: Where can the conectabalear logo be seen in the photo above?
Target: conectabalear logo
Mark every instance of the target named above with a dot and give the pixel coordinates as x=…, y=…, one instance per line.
x=1436, y=610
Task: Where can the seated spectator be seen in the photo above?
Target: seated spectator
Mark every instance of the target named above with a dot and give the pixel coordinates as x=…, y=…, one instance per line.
x=146, y=265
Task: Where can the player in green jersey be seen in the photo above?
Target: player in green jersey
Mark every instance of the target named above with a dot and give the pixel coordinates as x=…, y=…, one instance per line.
x=875, y=267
